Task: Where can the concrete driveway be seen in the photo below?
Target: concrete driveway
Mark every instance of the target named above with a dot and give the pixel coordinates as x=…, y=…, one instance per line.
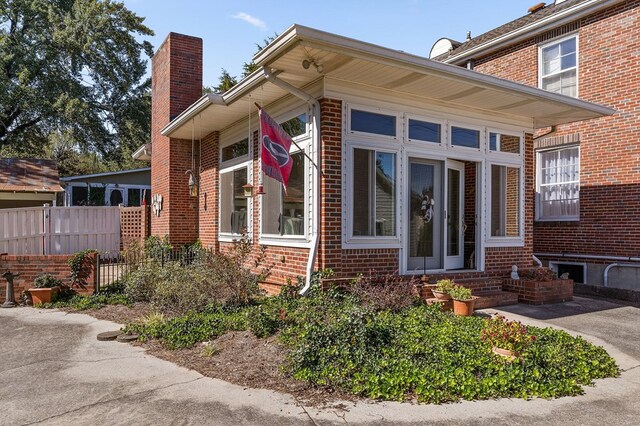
x=54, y=371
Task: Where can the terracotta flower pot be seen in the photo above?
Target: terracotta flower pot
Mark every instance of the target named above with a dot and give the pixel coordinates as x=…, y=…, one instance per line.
x=464, y=307
x=43, y=295
x=506, y=353
x=440, y=295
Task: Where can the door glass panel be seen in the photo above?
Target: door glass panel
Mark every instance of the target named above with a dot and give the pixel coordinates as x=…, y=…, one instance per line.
x=453, y=213
x=421, y=230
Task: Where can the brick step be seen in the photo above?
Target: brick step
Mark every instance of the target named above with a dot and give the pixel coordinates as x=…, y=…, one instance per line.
x=492, y=299
x=481, y=285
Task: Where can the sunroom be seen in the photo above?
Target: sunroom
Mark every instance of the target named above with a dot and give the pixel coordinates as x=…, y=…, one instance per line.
x=411, y=165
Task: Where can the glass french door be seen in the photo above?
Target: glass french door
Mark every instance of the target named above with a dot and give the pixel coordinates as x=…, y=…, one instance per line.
x=454, y=216
x=425, y=215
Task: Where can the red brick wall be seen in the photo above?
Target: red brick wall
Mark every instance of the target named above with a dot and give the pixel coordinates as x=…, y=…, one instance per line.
x=209, y=194
x=30, y=266
x=608, y=47
x=176, y=84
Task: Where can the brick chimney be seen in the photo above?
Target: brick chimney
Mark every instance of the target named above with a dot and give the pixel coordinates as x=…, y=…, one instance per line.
x=176, y=79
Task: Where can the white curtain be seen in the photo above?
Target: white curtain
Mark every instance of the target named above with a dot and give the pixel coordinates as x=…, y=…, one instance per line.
x=560, y=183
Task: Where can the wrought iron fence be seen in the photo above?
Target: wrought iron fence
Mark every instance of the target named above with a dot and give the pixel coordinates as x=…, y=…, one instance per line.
x=113, y=266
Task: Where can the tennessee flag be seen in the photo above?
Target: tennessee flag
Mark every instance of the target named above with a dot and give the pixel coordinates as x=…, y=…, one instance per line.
x=275, y=143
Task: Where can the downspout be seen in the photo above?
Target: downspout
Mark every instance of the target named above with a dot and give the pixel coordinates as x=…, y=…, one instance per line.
x=613, y=265
x=315, y=237
x=535, y=259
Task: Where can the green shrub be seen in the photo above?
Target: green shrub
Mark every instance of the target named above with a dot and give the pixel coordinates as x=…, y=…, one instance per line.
x=157, y=248
x=459, y=292
x=444, y=285
x=140, y=285
x=46, y=281
x=81, y=265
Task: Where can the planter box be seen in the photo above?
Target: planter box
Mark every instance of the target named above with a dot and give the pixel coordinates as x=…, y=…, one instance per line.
x=43, y=295
x=540, y=292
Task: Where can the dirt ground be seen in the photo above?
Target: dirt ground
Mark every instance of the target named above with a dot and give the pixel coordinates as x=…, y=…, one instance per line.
x=237, y=357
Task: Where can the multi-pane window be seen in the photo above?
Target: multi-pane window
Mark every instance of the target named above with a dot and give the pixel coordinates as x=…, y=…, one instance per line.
x=559, y=67
x=374, y=193
x=559, y=184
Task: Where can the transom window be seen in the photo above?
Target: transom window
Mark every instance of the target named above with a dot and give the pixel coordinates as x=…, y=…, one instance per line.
x=559, y=67
x=504, y=143
x=468, y=138
x=373, y=122
x=559, y=184
x=424, y=131
x=296, y=126
x=374, y=193
x=236, y=150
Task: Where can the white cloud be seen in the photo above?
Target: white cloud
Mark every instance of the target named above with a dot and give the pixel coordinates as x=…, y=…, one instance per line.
x=256, y=22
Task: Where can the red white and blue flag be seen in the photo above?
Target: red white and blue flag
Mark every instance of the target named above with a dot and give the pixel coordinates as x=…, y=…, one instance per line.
x=275, y=143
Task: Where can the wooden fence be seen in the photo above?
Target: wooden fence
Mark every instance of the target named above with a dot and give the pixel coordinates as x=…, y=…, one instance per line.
x=59, y=230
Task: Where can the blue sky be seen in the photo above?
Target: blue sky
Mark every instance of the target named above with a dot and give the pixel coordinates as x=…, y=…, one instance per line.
x=231, y=29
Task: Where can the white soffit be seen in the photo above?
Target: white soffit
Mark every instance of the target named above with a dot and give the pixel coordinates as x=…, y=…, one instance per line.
x=354, y=61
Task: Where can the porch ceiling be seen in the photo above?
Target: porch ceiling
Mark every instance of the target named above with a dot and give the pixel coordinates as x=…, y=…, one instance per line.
x=353, y=61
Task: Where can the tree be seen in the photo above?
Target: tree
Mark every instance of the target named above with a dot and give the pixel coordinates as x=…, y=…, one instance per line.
x=225, y=82
x=73, y=67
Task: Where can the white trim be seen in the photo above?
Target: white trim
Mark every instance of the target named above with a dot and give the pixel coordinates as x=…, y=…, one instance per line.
x=557, y=41
x=529, y=31
x=538, y=165
x=553, y=265
x=498, y=241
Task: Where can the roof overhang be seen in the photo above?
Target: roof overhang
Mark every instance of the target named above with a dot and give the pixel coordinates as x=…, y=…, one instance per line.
x=370, y=65
x=566, y=16
x=119, y=172
x=143, y=153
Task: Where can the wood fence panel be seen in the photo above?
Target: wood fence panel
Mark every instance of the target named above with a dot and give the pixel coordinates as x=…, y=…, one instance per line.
x=21, y=230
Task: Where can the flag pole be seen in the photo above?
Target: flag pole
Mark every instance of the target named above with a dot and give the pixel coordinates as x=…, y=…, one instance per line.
x=298, y=146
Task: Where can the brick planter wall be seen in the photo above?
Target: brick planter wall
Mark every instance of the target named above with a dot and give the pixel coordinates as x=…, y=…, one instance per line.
x=540, y=292
x=30, y=266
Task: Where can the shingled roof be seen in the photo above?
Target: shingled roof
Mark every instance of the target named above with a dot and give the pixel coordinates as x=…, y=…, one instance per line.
x=29, y=175
x=508, y=27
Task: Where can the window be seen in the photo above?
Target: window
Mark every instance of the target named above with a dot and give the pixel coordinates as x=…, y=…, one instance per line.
x=424, y=131
x=374, y=193
x=504, y=143
x=468, y=138
x=133, y=197
x=559, y=184
x=235, y=150
x=296, y=126
x=285, y=213
x=79, y=195
x=559, y=67
x=505, y=201
x=233, y=203
x=372, y=122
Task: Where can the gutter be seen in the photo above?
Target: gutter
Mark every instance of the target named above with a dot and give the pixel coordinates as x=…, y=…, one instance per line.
x=557, y=19
x=315, y=237
x=589, y=256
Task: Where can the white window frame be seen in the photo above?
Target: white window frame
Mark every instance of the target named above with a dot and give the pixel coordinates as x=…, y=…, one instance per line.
x=108, y=187
x=374, y=136
x=499, y=241
x=505, y=156
x=304, y=142
x=230, y=236
x=426, y=144
x=481, y=137
x=538, y=216
x=349, y=241
x=555, y=41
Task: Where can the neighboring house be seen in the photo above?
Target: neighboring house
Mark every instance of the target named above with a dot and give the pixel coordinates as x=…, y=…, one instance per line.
x=390, y=132
x=587, y=212
x=127, y=187
x=28, y=182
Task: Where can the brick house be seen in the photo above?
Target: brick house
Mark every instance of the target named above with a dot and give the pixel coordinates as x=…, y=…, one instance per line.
x=425, y=167
x=587, y=212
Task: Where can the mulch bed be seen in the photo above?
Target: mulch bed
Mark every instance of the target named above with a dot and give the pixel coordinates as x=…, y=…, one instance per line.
x=240, y=358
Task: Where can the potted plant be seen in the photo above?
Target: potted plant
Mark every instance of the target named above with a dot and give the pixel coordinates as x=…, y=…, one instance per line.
x=443, y=287
x=45, y=289
x=463, y=301
x=508, y=339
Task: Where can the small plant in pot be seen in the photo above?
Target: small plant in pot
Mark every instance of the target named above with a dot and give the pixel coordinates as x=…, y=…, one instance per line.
x=508, y=339
x=463, y=300
x=443, y=289
x=45, y=289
